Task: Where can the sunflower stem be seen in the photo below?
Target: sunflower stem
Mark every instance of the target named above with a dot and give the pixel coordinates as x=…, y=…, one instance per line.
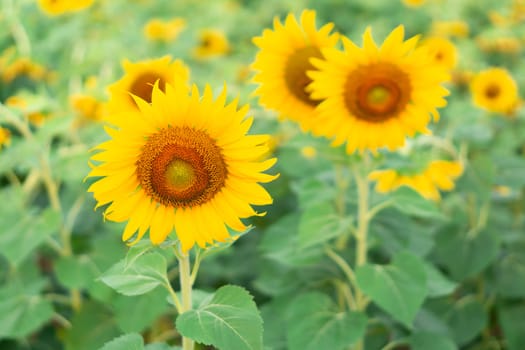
x=361, y=234
x=186, y=289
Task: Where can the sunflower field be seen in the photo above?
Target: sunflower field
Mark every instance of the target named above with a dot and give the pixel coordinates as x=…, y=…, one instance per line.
x=262, y=175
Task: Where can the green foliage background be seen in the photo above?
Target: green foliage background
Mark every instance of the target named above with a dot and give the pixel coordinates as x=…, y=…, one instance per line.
x=447, y=275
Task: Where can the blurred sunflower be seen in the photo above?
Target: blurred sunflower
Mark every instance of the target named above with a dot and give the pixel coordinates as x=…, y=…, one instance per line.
x=86, y=106
x=5, y=137
x=139, y=79
x=282, y=63
x=185, y=163
x=438, y=175
x=413, y=3
x=212, y=43
x=455, y=28
x=58, y=7
x=159, y=30
x=376, y=96
x=495, y=90
x=442, y=51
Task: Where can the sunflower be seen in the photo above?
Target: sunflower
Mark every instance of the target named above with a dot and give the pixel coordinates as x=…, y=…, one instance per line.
x=376, y=96
x=438, y=175
x=212, y=43
x=282, y=63
x=158, y=30
x=138, y=80
x=495, y=90
x=413, y=3
x=58, y=7
x=455, y=28
x=442, y=51
x=5, y=137
x=185, y=163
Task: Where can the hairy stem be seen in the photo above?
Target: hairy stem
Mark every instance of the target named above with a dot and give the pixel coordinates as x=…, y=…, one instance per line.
x=186, y=289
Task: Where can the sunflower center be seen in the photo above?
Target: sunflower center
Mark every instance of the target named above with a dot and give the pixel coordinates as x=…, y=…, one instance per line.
x=492, y=91
x=295, y=73
x=181, y=167
x=142, y=86
x=180, y=174
x=377, y=92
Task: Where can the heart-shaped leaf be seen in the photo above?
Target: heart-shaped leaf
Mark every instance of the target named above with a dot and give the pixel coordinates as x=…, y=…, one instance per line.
x=398, y=288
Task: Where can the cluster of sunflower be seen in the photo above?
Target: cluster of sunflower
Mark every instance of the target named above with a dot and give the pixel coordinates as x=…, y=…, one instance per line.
x=177, y=159
x=368, y=97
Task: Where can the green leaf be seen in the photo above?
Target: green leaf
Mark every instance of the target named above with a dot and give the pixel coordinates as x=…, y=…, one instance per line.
x=24, y=234
x=398, y=288
x=513, y=324
x=431, y=341
x=410, y=202
x=280, y=243
x=21, y=314
x=134, y=314
x=466, y=320
x=131, y=341
x=146, y=273
x=511, y=275
x=314, y=322
x=438, y=285
x=228, y=320
x=464, y=255
x=320, y=223
x=136, y=251
x=273, y=314
x=75, y=271
x=91, y=327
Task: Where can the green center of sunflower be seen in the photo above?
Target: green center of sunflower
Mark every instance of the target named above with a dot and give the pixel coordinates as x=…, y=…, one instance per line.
x=180, y=174
x=142, y=86
x=295, y=73
x=377, y=92
x=181, y=167
x=492, y=91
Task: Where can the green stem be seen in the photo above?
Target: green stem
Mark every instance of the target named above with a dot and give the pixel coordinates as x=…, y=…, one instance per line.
x=361, y=234
x=196, y=265
x=343, y=266
x=18, y=31
x=186, y=288
x=362, y=228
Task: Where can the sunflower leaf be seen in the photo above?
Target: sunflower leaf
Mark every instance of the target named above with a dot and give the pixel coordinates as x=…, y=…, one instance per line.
x=410, y=202
x=131, y=341
x=313, y=322
x=398, y=288
x=146, y=273
x=227, y=320
x=320, y=223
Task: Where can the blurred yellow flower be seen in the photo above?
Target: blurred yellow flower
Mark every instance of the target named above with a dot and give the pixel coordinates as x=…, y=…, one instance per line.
x=37, y=118
x=86, y=106
x=23, y=66
x=16, y=102
x=58, y=7
x=284, y=59
x=457, y=28
x=413, y=3
x=308, y=152
x=138, y=80
x=442, y=51
x=495, y=90
x=509, y=45
x=5, y=137
x=159, y=30
x=438, y=175
x=212, y=43
x=183, y=163
x=376, y=96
